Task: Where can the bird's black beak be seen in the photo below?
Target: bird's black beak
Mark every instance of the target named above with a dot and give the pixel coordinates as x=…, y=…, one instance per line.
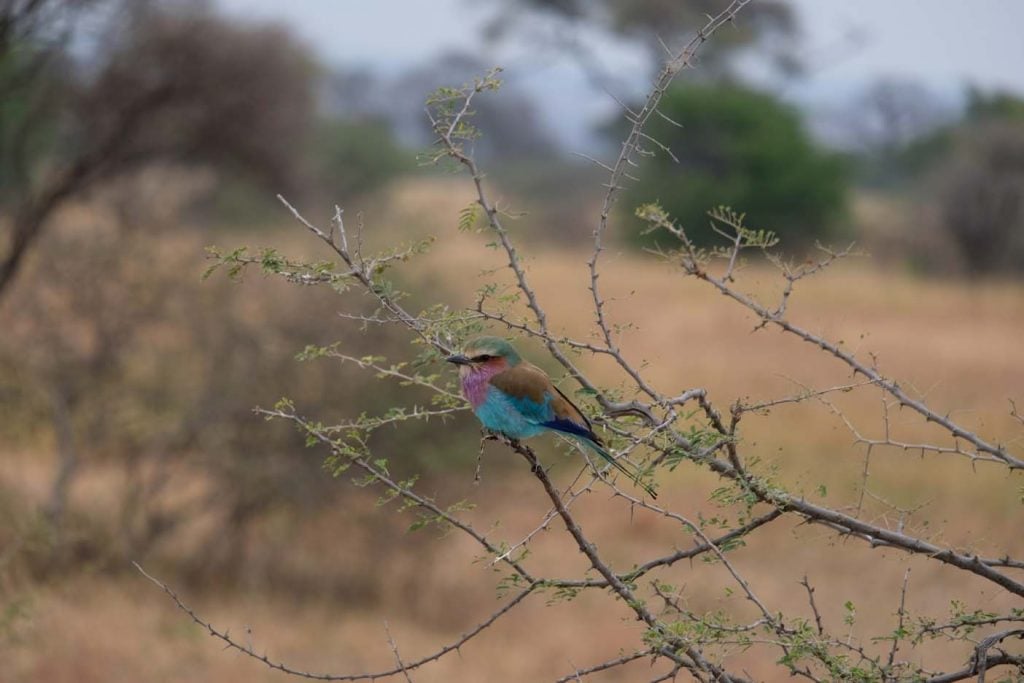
x=458, y=359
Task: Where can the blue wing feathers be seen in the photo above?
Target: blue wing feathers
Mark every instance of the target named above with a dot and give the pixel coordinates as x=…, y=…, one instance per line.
x=519, y=414
x=570, y=427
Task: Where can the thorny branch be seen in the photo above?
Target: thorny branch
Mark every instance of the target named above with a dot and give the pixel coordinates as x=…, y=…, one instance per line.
x=982, y=660
x=693, y=264
x=398, y=657
x=578, y=674
x=691, y=659
x=630, y=147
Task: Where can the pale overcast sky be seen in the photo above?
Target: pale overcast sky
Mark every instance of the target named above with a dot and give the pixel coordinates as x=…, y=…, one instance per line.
x=944, y=43
x=938, y=40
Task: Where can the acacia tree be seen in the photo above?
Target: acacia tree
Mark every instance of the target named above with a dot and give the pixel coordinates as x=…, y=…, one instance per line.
x=765, y=26
x=679, y=429
x=152, y=92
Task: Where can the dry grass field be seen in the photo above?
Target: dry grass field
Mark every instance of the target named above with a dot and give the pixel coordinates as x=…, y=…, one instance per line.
x=956, y=343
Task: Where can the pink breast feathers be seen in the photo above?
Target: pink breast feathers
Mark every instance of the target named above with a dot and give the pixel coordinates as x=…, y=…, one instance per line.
x=475, y=384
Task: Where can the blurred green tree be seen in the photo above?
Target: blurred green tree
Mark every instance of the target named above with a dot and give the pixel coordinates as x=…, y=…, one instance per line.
x=738, y=147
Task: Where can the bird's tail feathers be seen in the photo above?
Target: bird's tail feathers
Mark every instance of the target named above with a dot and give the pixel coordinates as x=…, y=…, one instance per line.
x=633, y=472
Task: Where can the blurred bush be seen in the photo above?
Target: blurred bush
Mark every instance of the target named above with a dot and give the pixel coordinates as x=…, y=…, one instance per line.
x=973, y=172
x=347, y=161
x=741, y=148
x=882, y=127
x=917, y=156
x=114, y=358
x=963, y=184
x=558, y=198
x=980, y=193
x=146, y=379
x=355, y=157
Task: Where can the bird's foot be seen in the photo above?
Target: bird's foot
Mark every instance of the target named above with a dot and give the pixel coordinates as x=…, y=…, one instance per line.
x=535, y=466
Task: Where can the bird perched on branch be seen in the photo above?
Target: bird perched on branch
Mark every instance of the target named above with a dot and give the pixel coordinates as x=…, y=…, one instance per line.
x=516, y=398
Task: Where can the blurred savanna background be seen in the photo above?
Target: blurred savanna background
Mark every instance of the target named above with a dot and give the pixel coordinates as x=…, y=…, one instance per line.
x=134, y=134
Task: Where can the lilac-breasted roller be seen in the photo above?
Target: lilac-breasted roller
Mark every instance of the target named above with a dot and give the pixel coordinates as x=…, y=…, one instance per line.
x=516, y=398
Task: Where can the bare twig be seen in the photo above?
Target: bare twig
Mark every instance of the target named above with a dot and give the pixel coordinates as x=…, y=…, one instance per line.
x=402, y=669
x=578, y=674
x=814, y=607
x=398, y=657
x=901, y=614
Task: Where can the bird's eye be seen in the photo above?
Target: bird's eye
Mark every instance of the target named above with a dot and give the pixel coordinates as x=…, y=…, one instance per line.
x=481, y=358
